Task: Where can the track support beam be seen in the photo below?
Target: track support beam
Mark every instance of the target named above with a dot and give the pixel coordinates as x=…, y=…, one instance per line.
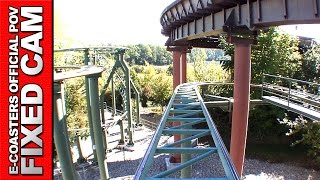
x=94, y=100
x=61, y=138
x=242, y=74
x=179, y=77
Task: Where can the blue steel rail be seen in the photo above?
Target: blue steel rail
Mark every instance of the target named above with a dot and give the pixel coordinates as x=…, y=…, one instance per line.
x=187, y=107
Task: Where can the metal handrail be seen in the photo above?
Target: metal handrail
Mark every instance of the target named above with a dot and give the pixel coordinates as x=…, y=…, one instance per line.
x=290, y=89
x=290, y=94
x=291, y=79
x=117, y=110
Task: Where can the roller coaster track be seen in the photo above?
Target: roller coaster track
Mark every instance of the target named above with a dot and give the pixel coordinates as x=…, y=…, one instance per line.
x=187, y=107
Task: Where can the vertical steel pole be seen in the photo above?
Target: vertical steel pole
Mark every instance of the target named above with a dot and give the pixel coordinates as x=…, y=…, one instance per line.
x=121, y=141
x=61, y=139
x=242, y=73
x=176, y=158
x=81, y=158
x=176, y=68
x=105, y=135
x=289, y=94
x=138, y=107
x=86, y=61
x=113, y=97
x=137, y=97
x=103, y=120
x=184, y=67
x=185, y=172
x=128, y=95
x=94, y=99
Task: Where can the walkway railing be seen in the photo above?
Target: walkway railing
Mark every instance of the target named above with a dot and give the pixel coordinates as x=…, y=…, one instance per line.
x=294, y=92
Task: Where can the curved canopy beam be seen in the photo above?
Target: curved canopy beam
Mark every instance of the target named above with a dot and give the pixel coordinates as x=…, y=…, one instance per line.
x=184, y=20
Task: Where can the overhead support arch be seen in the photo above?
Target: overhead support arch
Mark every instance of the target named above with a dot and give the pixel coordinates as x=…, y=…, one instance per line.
x=194, y=19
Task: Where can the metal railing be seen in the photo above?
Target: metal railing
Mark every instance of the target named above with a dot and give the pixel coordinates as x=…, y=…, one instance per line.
x=293, y=91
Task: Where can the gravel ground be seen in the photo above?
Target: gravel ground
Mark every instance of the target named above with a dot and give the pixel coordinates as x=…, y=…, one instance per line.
x=123, y=162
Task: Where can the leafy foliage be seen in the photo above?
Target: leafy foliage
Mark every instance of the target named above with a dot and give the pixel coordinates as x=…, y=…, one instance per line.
x=154, y=85
x=276, y=53
x=162, y=89
x=263, y=125
x=141, y=54
x=310, y=134
x=310, y=68
x=75, y=100
x=76, y=108
x=204, y=71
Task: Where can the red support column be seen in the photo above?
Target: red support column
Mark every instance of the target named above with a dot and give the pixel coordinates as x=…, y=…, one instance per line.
x=179, y=77
x=176, y=158
x=183, y=67
x=242, y=74
x=176, y=68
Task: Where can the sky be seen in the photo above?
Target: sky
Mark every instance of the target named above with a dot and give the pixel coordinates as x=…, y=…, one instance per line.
x=114, y=21
x=126, y=21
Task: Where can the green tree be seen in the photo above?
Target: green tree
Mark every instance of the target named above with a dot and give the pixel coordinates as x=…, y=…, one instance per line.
x=162, y=88
x=197, y=54
x=154, y=85
x=141, y=53
x=205, y=70
x=161, y=56
x=309, y=133
x=144, y=83
x=310, y=68
x=307, y=130
x=198, y=57
x=276, y=53
x=76, y=108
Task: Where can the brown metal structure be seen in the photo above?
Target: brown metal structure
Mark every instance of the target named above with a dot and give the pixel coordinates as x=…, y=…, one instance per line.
x=199, y=23
x=179, y=72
